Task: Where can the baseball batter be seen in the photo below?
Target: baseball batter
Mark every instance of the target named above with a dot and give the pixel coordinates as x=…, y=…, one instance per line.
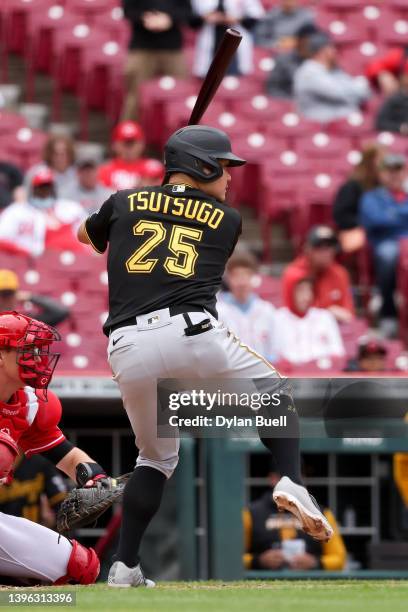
x=168, y=247
x=29, y=423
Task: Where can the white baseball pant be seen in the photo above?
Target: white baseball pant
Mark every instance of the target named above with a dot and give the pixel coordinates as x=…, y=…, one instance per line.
x=157, y=347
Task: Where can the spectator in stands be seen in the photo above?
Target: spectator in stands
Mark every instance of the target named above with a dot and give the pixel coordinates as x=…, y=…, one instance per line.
x=36, y=491
x=324, y=92
x=280, y=24
x=385, y=72
x=215, y=16
x=58, y=156
x=304, y=333
x=331, y=283
x=393, y=114
x=128, y=169
x=38, y=306
x=275, y=541
x=247, y=315
x=364, y=177
x=371, y=356
x=11, y=177
x=280, y=80
x=155, y=46
x=384, y=215
x=43, y=221
x=87, y=188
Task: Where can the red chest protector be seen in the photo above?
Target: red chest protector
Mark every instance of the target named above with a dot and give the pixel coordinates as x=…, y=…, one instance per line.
x=17, y=415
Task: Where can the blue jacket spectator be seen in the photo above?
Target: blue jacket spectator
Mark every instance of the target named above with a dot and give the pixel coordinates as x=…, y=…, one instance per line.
x=384, y=215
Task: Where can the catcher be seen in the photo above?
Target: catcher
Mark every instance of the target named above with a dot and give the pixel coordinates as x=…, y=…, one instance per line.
x=29, y=417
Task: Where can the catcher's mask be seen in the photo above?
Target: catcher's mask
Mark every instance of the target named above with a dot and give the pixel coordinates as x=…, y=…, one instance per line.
x=196, y=150
x=32, y=340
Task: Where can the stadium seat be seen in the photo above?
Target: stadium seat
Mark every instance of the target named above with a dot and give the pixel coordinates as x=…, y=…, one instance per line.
x=372, y=18
x=322, y=145
x=25, y=145
x=177, y=112
x=261, y=109
x=70, y=46
x=292, y=126
x=100, y=64
x=41, y=34
x=234, y=90
x=15, y=16
x=88, y=10
x=256, y=148
x=154, y=95
x=354, y=59
x=356, y=126
x=393, y=31
x=351, y=333
x=10, y=123
x=115, y=25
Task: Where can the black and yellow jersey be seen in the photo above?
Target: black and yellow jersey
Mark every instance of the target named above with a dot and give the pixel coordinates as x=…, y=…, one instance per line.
x=33, y=477
x=167, y=246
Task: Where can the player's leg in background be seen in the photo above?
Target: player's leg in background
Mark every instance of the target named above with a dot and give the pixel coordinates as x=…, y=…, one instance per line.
x=22, y=541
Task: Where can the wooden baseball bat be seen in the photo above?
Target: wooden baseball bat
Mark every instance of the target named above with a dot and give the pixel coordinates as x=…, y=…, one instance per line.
x=215, y=74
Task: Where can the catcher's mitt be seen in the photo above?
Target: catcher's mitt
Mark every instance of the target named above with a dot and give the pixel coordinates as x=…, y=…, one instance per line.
x=84, y=505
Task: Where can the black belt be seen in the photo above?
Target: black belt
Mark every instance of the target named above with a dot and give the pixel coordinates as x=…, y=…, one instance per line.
x=174, y=311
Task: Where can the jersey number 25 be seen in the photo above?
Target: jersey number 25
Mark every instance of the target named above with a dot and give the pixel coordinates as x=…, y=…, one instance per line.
x=185, y=253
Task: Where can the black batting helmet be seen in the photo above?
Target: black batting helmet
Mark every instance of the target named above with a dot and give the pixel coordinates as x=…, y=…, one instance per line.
x=197, y=147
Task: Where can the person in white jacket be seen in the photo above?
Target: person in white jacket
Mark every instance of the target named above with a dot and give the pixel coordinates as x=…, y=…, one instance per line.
x=42, y=220
x=248, y=316
x=304, y=333
x=215, y=16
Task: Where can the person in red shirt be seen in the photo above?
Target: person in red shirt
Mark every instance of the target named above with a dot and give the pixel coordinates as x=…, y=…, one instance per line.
x=331, y=283
x=384, y=72
x=29, y=418
x=128, y=169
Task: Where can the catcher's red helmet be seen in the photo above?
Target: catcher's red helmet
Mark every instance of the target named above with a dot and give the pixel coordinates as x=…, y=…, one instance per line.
x=32, y=340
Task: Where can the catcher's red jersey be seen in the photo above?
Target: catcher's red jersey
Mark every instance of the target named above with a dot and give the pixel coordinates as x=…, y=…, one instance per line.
x=32, y=423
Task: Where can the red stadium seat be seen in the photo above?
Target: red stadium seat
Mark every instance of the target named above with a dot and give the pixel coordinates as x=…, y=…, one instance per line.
x=342, y=31
x=154, y=95
x=263, y=64
x=393, y=31
x=70, y=46
x=234, y=90
x=261, y=109
x=41, y=32
x=355, y=127
x=255, y=148
x=115, y=25
x=292, y=126
x=10, y=123
x=25, y=145
x=99, y=66
x=351, y=332
x=90, y=9
x=322, y=145
x=372, y=18
x=355, y=59
x=177, y=113
x=269, y=288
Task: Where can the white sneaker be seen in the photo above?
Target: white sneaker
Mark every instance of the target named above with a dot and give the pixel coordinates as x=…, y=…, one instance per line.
x=294, y=498
x=122, y=576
